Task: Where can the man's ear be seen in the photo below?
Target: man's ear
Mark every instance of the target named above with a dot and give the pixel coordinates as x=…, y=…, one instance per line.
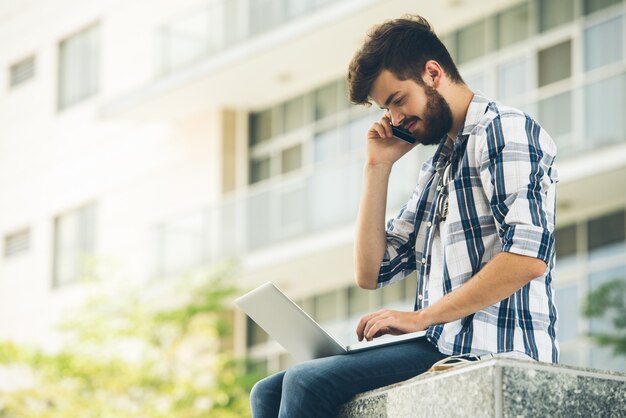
x=433, y=73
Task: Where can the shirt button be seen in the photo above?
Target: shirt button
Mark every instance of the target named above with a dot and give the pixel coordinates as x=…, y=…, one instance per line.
x=429, y=224
x=420, y=297
x=423, y=260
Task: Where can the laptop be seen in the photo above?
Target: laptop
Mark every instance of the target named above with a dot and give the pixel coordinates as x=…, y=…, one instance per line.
x=296, y=331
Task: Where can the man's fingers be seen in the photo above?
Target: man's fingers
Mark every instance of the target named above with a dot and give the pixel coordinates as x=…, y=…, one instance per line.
x=378, y=317
x=379, y=328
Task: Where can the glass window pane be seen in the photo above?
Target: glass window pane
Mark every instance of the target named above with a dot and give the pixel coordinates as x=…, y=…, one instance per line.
x=358, y=301
x=569, y=311
x=513, y=78
x=78, y=67
x=255, y=334
x=555, y=63
x=260, y=230
x=393, y=294
x=265, y=14
x=358, y=132
x=343, y=95
x=292, y=211
x=513, y=25
x=291, y=158
x=553, y=13
x=326, y=306
x=591, y=6
x=260, y=126
x=555, y=115
x=410, y=284
x=326, y=103
x=603, y=43
x=471, y=42
x=476, y=82
x=605, y=111
x=74, y=242
x=566, y=239
x=259, y=169
x=606, y=230
x=328, y=145
x=597, y=279
x=294, y=115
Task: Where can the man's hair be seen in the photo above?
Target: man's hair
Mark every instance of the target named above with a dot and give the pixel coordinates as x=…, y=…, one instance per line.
x=402, y=46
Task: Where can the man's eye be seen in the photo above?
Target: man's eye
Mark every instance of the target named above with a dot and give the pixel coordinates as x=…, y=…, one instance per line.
x=399, y=101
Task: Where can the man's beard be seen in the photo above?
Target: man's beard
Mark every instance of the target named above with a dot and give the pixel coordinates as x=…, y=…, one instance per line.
x=437, y=120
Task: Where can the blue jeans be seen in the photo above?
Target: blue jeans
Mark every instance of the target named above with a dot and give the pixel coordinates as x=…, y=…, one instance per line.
x=317, y=388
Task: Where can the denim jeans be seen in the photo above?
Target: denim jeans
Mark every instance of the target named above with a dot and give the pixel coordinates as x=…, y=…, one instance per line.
x=317, y=388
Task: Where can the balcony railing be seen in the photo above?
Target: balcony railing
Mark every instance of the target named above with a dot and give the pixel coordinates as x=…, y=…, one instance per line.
x=222, y=24
x=249, y=220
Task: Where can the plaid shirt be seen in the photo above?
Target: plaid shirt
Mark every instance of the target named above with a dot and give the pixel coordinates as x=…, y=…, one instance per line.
x=501, y=198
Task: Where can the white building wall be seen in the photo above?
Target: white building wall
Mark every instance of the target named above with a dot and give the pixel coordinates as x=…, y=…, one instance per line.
x=52, y=161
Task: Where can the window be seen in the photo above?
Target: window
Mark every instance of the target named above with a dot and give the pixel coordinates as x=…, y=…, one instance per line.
x=591, y=6
x=569, y=311
x=16, y=243
x=606, y=230
x=393, y=294
x=513, y=78
x=605, y=111
x=326, y=306
x=294, y=114
x=555, y=63
x=255, y=334
x=22, y=71
x=597, y=279
x=78, y=67
x=265, y=14
x=553, y=13
x=74, y=242
x=259, y=169
x=566, y=239
x=291, y=158
x=513, y=25
x=358, y=301
x=599, y=52
x=326, y=103
x=260, y=126
x=555, y=115
x=471, y=42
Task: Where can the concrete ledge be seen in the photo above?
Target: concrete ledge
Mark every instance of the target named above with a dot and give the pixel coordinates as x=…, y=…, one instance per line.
x=498, y=387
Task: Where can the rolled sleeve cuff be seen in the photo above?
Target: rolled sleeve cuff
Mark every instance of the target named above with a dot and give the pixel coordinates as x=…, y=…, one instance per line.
x=529, y=240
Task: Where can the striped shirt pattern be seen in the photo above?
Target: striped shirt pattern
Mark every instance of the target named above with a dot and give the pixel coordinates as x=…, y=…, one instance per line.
x=501, y=198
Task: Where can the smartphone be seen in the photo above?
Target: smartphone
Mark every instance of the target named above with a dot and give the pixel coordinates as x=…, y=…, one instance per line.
x=402, y=134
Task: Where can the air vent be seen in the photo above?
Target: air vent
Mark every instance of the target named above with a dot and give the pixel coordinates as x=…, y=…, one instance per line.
x=22, y=71
x=16, y=243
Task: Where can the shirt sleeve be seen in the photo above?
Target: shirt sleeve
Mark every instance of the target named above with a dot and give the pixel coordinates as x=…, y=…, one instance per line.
x=519, y=180
x=399, y=259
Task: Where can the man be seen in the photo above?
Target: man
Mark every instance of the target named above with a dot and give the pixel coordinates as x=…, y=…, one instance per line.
x=478, y=228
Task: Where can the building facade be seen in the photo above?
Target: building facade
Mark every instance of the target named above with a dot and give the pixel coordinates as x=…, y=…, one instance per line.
x=143, y=145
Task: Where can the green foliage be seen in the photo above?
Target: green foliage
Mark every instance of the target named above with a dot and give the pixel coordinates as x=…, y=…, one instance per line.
x=609, y=302
x=153, y=351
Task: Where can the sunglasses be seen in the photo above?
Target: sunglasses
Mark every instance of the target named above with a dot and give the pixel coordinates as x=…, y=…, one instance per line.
x=442, y=199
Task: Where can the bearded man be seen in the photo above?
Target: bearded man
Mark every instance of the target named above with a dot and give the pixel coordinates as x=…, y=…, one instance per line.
x=478, y=228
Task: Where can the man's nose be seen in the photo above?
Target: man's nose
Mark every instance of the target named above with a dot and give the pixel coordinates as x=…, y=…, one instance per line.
x=396, y=117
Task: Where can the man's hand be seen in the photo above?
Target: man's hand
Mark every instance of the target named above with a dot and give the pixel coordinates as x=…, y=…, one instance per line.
x=389, y=322
x=382, y=147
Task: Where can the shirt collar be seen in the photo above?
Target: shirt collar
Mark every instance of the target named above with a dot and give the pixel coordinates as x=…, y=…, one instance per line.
x=475, y=112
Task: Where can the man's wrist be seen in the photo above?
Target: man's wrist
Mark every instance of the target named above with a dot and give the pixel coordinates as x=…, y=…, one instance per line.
x=379, y=167
x=424, y=320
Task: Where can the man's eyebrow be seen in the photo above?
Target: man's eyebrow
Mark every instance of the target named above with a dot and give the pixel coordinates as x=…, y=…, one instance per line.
x=391, y=97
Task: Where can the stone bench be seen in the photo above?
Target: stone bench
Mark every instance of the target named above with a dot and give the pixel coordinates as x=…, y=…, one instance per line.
x=498, y=387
